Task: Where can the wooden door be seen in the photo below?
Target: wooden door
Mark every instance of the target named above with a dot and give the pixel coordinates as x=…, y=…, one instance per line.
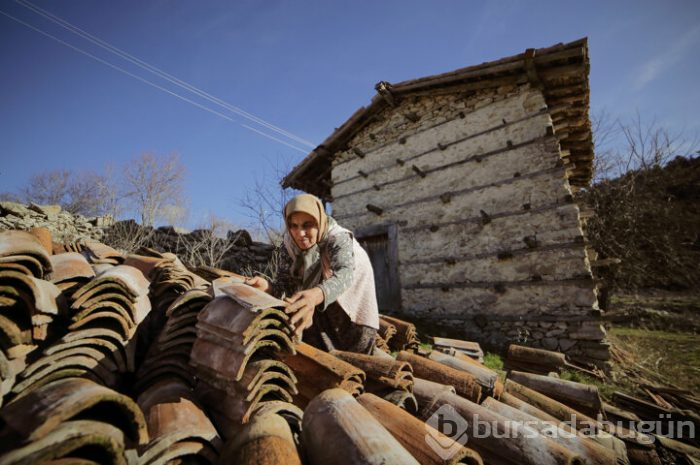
x=381, y=249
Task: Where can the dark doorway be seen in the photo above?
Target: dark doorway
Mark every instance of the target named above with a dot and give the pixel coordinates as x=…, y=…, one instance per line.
x=381, y=246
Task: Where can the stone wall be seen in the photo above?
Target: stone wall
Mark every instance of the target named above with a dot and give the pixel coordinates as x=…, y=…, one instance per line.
x=489, y=240
x=64, y=226
x=236, y=252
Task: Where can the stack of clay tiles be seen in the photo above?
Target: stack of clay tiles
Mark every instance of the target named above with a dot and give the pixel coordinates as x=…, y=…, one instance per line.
x=72, y=420
x=386, y=377
x=398, y=334
x=178, y=296
x=99, y=343
x=114, y=359
x=459, y=348
x=29, y=305
x=64, y=339
x=180, y=430
x=168, y=275
x=169, y=354
x=241, y=334
x=317, y=371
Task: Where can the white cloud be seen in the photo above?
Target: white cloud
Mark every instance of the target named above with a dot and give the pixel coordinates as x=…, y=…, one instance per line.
x=656, y=65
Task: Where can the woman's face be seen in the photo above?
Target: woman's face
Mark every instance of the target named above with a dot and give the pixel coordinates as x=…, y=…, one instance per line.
x=304, y=230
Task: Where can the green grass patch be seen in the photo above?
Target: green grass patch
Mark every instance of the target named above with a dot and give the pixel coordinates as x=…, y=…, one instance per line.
x=493, y=361
x=605, y=389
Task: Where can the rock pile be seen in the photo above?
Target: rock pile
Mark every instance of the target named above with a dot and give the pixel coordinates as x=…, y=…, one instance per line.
x=64, y=226
x=236, y=252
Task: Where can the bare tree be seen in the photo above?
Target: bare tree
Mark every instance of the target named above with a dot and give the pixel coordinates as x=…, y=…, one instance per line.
x=48, y=188
x=92, y=194
x=623, y=146
x=605, y=130
x=152, y=181
x=174, y=214
x=110, y=194
x=86, y=193
x=209, y=245
x=642, y=214
x=9, y=197
x=128, y=236
x=264, y=202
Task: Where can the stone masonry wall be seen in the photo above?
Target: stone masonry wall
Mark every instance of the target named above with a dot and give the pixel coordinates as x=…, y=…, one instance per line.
x=489, y=239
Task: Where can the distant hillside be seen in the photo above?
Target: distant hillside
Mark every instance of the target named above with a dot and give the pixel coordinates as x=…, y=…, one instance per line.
x=650, y=220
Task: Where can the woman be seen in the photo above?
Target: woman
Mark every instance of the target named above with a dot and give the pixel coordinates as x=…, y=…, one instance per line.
x=329, y=277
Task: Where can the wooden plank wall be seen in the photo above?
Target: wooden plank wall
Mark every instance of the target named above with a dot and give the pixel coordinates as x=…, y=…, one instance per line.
x=489, y=238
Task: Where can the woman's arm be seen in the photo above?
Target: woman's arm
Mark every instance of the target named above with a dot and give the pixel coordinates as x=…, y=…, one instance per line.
x=303, y=303
x=342, y=261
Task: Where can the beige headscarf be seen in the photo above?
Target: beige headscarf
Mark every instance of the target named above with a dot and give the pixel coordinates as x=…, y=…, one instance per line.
x=306, y=264
x=311, y=205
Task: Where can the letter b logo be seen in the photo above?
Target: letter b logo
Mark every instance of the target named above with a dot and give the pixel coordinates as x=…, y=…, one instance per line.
x=446, y=431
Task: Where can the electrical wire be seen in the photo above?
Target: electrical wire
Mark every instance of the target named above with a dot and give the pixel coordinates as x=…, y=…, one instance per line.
x=157, y=71
x=146, y=81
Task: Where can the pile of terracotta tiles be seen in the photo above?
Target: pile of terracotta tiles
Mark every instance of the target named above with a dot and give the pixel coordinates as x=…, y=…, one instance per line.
x=107, y=358
x=241, y=335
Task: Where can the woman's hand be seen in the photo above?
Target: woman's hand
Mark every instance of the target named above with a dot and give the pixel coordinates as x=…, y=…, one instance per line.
x=302, y=306
x=258, y=283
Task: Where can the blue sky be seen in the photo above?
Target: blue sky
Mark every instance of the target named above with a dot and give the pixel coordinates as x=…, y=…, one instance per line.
x=304, y=66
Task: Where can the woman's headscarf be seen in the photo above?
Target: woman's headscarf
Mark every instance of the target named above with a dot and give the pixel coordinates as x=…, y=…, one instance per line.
x=306, y=264
x=311, y=205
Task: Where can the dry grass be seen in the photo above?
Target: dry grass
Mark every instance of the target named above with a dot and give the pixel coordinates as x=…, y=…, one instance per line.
x=659, y=356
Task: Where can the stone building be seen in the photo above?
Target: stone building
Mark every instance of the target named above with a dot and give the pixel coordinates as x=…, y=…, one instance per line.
x=460, y=187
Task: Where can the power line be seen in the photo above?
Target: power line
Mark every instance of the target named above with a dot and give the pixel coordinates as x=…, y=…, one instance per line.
x=146, y=81
x=157, y=71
